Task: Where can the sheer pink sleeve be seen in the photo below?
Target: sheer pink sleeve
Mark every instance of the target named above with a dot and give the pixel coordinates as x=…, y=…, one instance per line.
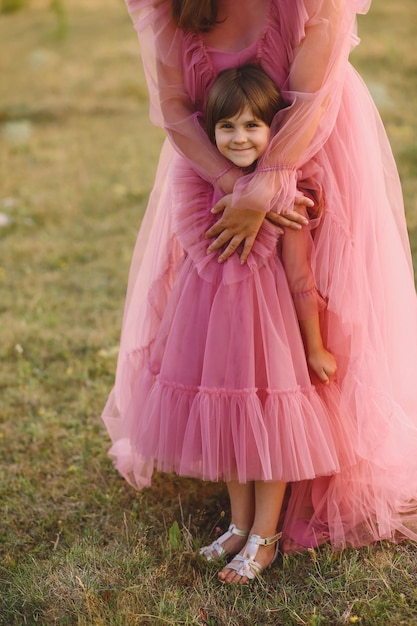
x=161, y=46
x=296, y=252
x=314, y=86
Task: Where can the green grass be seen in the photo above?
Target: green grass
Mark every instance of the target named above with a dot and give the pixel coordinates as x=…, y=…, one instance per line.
x=77, y=157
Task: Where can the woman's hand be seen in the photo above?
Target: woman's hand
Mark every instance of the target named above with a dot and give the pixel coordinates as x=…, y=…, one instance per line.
x=234, y=227
x=242, y=225
x=292, y=219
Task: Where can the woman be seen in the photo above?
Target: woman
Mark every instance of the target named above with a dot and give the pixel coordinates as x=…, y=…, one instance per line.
x=332, y=133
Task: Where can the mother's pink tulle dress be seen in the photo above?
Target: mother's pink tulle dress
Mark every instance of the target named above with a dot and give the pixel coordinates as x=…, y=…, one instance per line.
x=212, y=379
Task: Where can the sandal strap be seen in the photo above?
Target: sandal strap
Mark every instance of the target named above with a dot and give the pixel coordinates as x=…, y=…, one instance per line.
x=264, y=541
x=234, y=530
x=246, y=565
x=217, y=545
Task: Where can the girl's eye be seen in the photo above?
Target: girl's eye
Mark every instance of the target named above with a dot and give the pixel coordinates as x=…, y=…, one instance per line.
x=225, y=125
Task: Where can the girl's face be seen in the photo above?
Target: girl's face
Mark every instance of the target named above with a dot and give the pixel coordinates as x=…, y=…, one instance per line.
x=243, y=138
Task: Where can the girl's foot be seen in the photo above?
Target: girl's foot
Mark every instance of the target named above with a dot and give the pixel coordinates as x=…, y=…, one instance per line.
x=228, y=544
x=257, y=554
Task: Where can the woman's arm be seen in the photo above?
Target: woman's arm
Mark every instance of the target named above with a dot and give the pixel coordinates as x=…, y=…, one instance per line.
x=162, y=52
x=314, y=87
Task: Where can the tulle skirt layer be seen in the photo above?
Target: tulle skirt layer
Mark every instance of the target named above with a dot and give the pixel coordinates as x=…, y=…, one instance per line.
x=224, y=393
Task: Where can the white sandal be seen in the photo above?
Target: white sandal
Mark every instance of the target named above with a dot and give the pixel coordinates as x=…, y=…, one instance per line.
x=217, y=545
x=246, y=565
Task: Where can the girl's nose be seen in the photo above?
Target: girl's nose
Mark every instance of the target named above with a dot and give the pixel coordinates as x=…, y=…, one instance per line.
x=240, y=135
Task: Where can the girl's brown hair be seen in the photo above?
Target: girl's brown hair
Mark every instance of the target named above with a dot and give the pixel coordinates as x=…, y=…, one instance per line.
x=240, y=87
x=194, y=15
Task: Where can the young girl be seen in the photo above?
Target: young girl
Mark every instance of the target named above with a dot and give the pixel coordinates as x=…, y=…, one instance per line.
x=225, y=393
x=241, y=106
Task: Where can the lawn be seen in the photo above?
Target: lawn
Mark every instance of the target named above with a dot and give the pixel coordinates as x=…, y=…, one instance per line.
x=78, y=546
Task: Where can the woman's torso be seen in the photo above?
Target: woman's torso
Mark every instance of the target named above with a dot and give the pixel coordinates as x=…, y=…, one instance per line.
x=241, y=23
x=262, y=32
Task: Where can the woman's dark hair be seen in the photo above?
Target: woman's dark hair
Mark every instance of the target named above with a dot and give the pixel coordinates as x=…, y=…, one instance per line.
x=239, y=87
x=194, y=15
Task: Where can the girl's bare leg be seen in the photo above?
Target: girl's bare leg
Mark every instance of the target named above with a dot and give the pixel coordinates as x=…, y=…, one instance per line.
x=269, y=497
x=242, y=505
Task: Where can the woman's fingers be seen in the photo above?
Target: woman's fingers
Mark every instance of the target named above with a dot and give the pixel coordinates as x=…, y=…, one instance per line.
x=292, y=219
x=249, y=241
x=280, y=221
x=272, y=218
x=217, y=229
x=303, y=201
x=221, y=204
x=234, y=227
x=225, y=237
x=219, y=207
x=231, y=249
x=221, y=225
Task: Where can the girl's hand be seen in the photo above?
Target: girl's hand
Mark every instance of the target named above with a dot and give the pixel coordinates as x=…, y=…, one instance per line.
x=323, y=364
x=234, y=227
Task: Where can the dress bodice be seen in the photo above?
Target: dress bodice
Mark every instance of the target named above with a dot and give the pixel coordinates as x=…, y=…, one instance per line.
x=272, y=51
x=221, y=59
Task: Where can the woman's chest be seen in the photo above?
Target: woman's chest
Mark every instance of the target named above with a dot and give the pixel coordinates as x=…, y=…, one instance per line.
x=202, y=63
x=241, y=23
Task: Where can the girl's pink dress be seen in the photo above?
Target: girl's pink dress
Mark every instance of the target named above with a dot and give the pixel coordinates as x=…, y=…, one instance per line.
x=212, y=379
